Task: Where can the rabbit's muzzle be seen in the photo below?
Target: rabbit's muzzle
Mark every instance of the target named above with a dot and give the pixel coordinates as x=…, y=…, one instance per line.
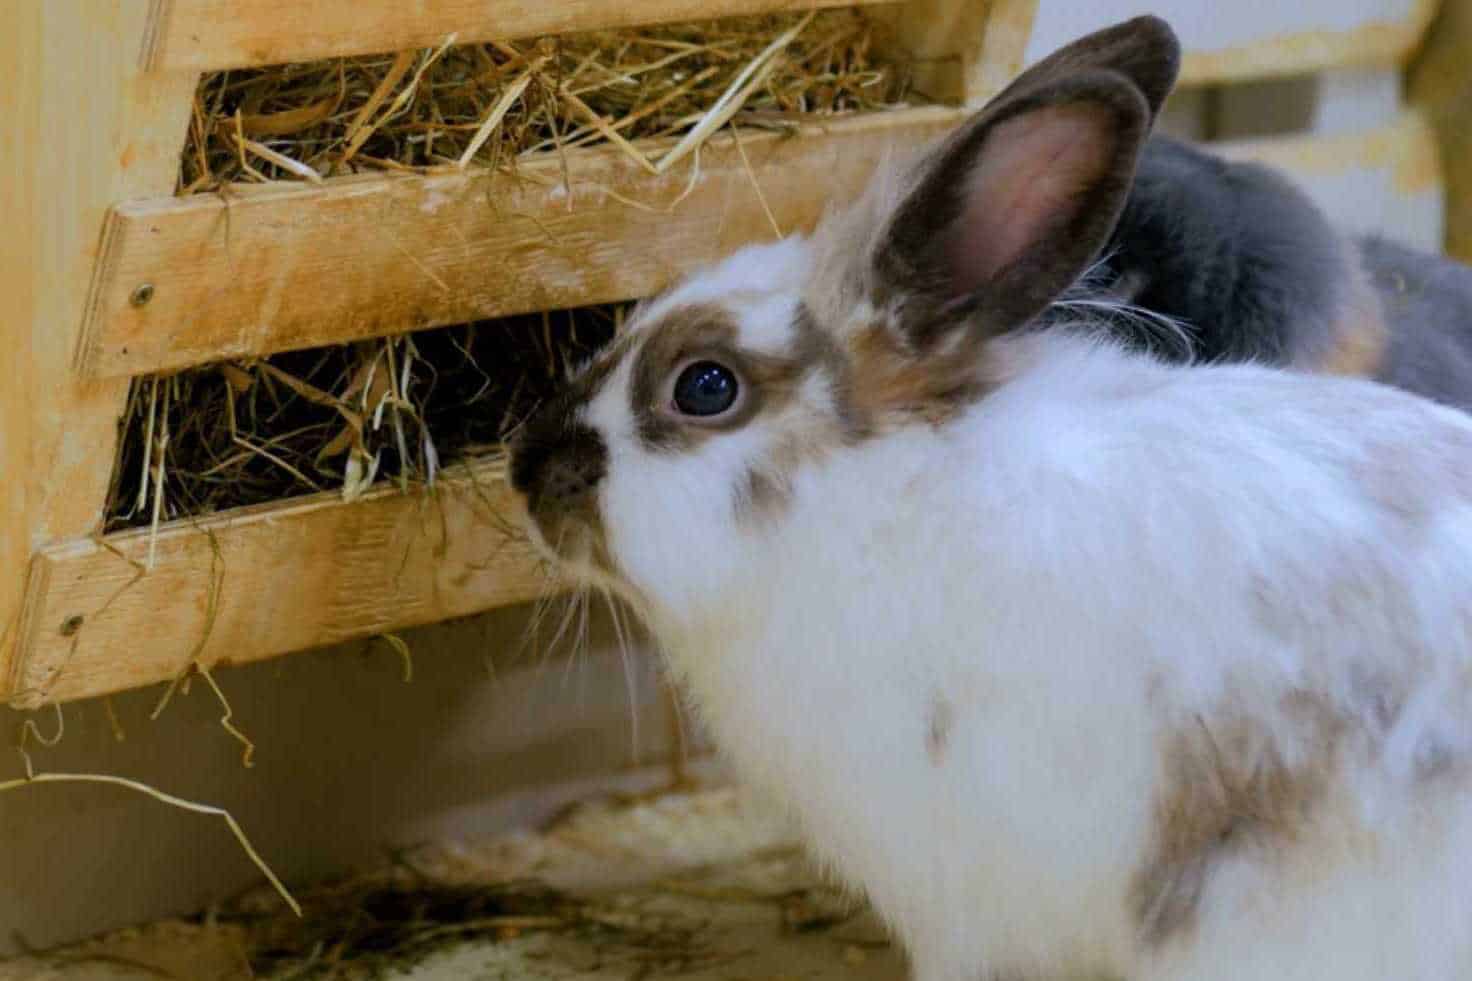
x=557, y=469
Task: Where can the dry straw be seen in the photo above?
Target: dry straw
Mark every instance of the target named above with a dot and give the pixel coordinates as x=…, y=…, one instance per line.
x=495, y=103
x=340, y=418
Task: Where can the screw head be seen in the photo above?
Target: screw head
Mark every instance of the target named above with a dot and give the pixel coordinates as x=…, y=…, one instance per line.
x=141, y=295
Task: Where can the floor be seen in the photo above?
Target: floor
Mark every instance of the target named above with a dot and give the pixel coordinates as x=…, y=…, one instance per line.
x=701, y=885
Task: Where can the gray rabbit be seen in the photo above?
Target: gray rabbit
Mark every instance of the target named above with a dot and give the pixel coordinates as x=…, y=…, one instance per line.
x=1252, y=269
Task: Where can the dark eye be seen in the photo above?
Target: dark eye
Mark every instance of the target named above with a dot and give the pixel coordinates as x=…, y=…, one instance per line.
x=705, y=389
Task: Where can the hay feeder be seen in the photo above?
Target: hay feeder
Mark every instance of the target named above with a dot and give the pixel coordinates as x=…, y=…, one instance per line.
x=111, y=277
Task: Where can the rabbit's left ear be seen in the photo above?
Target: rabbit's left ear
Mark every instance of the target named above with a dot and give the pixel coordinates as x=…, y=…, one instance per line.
x=1017, y=202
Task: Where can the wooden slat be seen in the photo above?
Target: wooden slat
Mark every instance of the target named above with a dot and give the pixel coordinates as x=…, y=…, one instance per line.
x=1441, y=85
x=297, y=266
x=207, y=34
x=266, y=581
x=84, y=131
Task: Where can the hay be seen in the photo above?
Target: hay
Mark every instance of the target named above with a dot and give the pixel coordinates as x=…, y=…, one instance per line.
x=493, y=104
x=339, y=418
x=368, y=927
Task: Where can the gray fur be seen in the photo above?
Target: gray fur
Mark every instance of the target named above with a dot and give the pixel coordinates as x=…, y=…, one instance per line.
x=1253, y=270
x=1427, y=302
x=1234, y=251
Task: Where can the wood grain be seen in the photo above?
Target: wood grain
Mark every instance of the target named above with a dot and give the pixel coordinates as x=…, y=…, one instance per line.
x=265, y=581
x=1441, y=86
x=959, y=51
x=298, y=266
x=85, y=130
x=203, y=35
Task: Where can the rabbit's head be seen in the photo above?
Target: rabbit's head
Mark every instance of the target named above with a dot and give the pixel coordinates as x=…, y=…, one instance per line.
x=686, y=437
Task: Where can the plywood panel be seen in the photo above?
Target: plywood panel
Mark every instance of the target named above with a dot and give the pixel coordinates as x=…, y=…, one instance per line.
x=297, y=266
x=265, y=581
x=84, y=130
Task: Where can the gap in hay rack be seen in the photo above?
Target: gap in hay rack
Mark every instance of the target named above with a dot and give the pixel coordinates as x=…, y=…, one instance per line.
x=492, y=104
x=340, y=418
x=228, y=435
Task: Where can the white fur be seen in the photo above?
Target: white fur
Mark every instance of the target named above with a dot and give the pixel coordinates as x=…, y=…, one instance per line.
x=1093, y=556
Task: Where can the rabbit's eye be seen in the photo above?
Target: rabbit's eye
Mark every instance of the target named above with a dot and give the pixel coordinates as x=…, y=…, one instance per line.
x=705, y=389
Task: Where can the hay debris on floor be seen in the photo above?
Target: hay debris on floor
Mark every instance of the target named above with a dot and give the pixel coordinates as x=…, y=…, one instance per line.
x=699, y=885
x=491, y=104
x=339, y=418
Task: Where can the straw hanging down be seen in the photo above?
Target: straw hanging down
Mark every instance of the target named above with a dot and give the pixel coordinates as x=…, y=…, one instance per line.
x=184, y=805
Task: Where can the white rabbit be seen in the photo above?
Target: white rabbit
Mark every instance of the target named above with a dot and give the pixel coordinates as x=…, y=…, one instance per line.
x=1077, y=663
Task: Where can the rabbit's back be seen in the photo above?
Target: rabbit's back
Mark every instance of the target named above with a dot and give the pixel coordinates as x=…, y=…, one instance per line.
x=1234, y=251
x=1182, y=655
x=1427, y=302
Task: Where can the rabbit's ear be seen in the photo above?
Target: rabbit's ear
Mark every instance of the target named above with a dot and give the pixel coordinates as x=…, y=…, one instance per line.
x=1019, y=200
x=1144, y=50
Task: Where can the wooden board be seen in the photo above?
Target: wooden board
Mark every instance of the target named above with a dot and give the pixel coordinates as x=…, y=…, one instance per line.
x=264, y=581
x=1247, y=39
x=207, y=34
x=85, y=130
x=19, y=209
x=295, y=265
x=959, y=51
x=1441, y=86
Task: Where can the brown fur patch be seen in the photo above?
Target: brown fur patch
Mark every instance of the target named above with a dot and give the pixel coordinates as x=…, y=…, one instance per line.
x=704, y=331
x=761, y=497
x=815, y=346
x=940, y=723
x=1225, y=787
x=1361, y=337
x=891, y=382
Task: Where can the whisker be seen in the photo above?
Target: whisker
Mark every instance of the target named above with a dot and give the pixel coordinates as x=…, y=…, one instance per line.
x=1094, y=304
x=579, y=634
x=569, y=615
x=630, y=686
x=678, y=723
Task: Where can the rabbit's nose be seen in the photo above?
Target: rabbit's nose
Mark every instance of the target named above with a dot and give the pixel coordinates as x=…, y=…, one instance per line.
x=561, y=469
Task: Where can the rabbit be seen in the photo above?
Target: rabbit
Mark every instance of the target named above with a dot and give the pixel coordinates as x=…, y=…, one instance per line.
x=1075, y=661
x=1238, y=256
